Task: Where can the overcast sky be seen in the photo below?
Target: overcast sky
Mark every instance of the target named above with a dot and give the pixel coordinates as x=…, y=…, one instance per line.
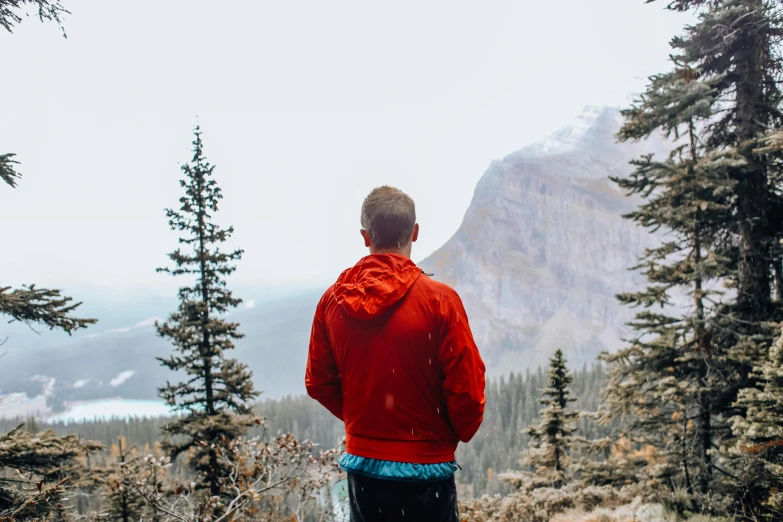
x=305, y=107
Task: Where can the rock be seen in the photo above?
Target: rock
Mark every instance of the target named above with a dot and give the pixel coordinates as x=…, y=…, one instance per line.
x=543, y=248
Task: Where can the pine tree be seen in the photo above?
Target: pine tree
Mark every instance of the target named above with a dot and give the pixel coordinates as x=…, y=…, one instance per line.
x=735, y=46
x=8, y=172
x=550, y=439
x=125, y=502
x=48, y=10
x=35, y=468
x=216, y=394
x=31, y=305
x=760, y=439
x=10, y=15
x=662, y=378
x=717, y=197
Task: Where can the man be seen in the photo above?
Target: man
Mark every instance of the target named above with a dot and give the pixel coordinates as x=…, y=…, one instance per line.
x=393, y=357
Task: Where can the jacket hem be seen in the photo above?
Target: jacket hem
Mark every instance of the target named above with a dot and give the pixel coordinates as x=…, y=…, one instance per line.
x=409, y=452
x=397, y=479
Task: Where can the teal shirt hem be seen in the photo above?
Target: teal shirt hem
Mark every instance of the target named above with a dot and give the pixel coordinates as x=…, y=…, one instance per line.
x=384, y=469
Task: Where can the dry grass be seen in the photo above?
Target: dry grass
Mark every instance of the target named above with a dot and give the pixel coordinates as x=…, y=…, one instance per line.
x=634, y=512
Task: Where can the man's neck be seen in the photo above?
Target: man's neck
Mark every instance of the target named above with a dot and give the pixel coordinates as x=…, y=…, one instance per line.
x=406, y=253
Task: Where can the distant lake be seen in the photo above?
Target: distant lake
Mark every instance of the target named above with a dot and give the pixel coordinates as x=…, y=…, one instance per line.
x=112, y=408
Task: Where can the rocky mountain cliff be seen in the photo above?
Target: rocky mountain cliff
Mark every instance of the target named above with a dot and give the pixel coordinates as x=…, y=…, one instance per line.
x=543, y=248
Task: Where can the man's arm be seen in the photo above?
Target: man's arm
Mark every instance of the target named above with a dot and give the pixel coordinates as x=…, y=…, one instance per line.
x=322, y=377
x=463, y=369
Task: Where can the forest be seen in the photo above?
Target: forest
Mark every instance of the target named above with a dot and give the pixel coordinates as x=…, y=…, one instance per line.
x=512, y=404
x=685, y=421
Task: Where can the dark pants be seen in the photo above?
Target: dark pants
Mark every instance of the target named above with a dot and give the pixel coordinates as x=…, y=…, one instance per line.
x=375, y=500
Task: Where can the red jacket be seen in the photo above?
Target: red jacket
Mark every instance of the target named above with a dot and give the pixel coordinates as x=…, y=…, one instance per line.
x=392, y=355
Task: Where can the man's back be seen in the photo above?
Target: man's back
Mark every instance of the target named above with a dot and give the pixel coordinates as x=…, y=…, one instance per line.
x=392, y=355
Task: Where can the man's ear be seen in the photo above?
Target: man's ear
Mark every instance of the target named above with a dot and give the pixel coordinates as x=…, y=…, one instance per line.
x=415, y=233
x=367, y=238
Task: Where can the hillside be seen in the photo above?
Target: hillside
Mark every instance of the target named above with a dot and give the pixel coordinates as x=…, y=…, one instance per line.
x=543, y=248
x=121, y=362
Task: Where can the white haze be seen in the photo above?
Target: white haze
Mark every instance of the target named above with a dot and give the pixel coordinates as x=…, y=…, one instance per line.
x=305, y=106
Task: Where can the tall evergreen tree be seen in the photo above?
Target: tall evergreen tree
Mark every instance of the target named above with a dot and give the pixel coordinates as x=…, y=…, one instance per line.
x=31, y=305
x=34, y=469
x=717, y=196
x=218, y=389
x=125, y=502
x=662, y=378
x=735, y=46
x=550, y=439
x=760, y=439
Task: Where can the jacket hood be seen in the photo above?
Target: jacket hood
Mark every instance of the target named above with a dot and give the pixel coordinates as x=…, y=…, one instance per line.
x=375, y=284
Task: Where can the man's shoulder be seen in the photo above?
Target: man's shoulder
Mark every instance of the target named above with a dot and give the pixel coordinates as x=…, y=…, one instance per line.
x=327, y=295
x=438, y=288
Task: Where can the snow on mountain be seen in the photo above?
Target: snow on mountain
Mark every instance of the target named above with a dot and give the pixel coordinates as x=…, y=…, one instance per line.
x=593, y=124
x=588, y=147
x=543, y=248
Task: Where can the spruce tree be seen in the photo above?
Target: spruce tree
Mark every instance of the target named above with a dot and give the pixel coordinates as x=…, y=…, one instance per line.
x=35, y=469
x=125, y=502
x=716, y=198
x=36, y=306
x=735, y=46
x=41, y=306
x=32, y=305
x=8, y=172
x=215, y=396
x=12, y=11
x=550, y=439
x=760, y=439
x=662, y=378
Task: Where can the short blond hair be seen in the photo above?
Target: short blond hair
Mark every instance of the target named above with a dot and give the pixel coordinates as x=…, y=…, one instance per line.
x=389, y=216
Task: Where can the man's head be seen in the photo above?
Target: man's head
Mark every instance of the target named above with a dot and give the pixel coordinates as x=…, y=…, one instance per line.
x=389, y=222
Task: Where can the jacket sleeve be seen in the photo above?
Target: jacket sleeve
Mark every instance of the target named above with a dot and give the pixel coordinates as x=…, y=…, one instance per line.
x=463, y=369
x=322, y=378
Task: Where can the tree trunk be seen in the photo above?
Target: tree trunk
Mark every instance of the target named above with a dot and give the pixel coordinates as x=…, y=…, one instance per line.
x=704, y=348
x=684, y=453
x=705, y=408
x=213, y=478
x=753, y=291
x=705, y=442
x=124, y=511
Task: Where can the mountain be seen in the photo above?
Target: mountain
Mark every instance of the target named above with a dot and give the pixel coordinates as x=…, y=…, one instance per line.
x=539, y=256
x=543, y=248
